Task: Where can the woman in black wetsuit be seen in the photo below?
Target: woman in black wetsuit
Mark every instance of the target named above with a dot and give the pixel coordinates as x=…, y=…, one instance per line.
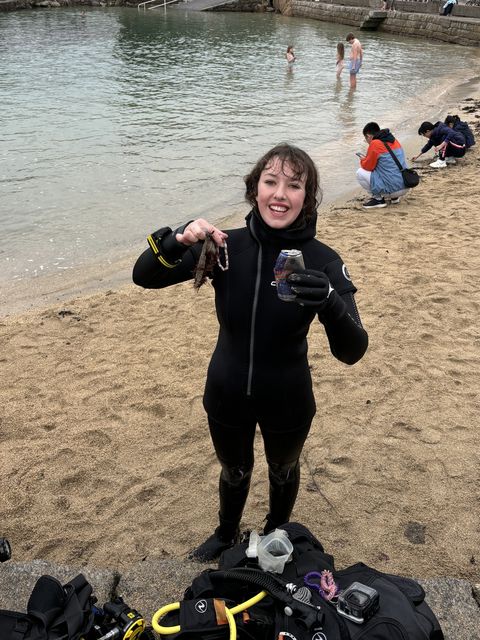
x=259, y=372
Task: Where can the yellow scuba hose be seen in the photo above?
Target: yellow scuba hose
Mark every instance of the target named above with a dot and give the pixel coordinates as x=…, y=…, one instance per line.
x=248, y=603
x=162, y=612
x=228, y=612
x=231, y=624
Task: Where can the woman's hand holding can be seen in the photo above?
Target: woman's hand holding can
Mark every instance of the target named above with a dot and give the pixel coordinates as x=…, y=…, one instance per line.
x=312, y=288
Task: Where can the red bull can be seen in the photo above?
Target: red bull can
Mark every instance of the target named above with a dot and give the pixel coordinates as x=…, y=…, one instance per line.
x=288, y=260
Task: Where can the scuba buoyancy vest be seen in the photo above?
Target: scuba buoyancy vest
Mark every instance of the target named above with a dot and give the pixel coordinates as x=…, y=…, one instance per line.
x=68, y=612
x=394, y=607
x=54, y=612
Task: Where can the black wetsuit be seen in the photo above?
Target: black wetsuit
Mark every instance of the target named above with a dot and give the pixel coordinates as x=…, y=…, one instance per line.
x=259, y=372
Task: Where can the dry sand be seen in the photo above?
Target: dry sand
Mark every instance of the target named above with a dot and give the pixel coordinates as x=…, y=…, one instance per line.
x=105, y=453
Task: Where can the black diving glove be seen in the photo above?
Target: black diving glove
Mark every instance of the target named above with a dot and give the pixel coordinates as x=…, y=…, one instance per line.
x=312, y=288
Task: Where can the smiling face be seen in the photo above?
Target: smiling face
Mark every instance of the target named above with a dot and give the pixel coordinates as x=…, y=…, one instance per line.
x=280, y=194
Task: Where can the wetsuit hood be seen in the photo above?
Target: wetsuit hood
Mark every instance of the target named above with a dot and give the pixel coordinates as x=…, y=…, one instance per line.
x=384, y=135
x=296, y=233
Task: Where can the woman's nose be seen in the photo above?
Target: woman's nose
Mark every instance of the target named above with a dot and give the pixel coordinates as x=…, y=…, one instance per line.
x=280, y=191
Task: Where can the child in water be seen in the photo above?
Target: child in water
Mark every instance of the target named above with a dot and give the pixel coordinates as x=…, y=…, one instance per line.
x=340, y=59
x=290, y=56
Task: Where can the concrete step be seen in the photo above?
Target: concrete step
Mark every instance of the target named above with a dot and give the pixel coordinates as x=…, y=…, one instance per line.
x=373, y=20
x=199, y=5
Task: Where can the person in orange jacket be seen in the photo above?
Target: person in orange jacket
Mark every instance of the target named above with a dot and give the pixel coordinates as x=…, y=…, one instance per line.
x=379, y=173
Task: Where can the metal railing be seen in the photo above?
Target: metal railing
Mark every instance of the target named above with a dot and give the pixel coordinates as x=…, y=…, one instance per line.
x=160, y=3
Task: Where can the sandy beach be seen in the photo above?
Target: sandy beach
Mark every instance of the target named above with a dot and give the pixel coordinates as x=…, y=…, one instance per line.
x=106, y=458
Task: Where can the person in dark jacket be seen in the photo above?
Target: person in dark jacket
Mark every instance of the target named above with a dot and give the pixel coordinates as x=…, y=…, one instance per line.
x=454, y=122
x=448, y=143
x=259, y=371
x=448, y=7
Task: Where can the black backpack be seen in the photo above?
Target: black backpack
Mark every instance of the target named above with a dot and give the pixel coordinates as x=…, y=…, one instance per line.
x=466, y=131
x=54, y=612
x=285, y=614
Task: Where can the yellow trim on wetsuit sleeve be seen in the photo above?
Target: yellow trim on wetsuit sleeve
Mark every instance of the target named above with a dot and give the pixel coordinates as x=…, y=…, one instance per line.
x=165, y=263
x=153, y=245
x=158, y=255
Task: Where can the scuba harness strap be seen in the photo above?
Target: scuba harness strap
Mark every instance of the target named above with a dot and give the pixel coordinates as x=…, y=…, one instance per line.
x=62, y=609
x=218, y=614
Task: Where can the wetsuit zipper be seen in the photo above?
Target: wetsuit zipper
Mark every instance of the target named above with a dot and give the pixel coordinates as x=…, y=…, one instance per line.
x=254, y=313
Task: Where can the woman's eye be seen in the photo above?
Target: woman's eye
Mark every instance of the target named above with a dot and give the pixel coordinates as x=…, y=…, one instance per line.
x=269, y=182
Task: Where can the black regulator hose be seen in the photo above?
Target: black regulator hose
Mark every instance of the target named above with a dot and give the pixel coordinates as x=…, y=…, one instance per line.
x=308, y=614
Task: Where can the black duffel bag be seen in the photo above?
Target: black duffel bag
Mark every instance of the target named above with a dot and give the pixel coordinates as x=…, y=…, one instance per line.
x=410, y=178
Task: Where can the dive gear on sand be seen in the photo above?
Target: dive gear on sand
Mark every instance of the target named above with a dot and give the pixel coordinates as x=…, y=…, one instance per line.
x=375, y=604
x=68, y=612
x=119, y=622
x=213, y=611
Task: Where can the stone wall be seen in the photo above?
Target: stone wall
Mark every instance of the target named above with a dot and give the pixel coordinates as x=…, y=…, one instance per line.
x=15, y=5
x=433, y=27
x=321, y=11
x=414, y=6
x=250, y=6
x=435, y=6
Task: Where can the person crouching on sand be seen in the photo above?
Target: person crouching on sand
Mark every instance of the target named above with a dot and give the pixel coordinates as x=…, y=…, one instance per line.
x=378, y=173
x=447, y=142
x=259, y=372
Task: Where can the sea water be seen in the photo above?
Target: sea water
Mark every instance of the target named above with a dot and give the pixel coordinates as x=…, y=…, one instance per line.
x=116, y=122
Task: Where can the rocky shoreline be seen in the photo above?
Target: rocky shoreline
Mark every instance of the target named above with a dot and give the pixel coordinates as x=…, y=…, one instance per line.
x=16, y=5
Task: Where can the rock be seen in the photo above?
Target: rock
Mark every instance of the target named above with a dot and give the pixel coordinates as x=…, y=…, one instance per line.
x=452, y=602
x=415, y=532
x=147, y=586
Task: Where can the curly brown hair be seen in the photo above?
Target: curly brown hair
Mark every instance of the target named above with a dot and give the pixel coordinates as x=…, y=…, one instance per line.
x=301, y=164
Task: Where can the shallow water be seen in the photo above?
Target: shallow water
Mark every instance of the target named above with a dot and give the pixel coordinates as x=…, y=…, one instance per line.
x=117, y=122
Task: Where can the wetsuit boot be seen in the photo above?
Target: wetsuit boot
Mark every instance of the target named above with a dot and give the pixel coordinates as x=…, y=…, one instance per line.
x=224, y=537
x=234, y=487
x=284, y=484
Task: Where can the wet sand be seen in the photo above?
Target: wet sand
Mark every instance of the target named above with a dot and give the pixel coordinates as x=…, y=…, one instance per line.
x=106, y=458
